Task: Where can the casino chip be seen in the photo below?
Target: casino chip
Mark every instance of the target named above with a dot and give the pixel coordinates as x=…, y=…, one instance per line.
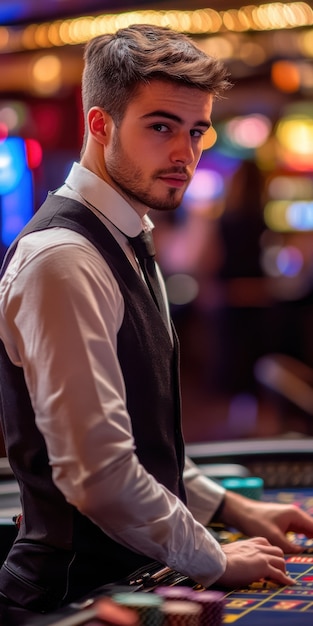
x=212, y=607
x=251, y=487
x=148, y=606
x=211, y=602
x=181, y=613
x=175, y=592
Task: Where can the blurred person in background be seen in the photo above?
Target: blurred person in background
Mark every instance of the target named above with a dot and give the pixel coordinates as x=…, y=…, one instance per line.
x=243, y=321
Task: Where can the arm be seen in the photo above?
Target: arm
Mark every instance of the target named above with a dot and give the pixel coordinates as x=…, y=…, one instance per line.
x=204, y=496
x=64, y=310
x=266, y=519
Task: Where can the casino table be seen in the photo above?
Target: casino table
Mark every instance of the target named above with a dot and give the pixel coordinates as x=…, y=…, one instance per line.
x=260, y=604
x=275, y=606
x=286, y=468
x=265, y=603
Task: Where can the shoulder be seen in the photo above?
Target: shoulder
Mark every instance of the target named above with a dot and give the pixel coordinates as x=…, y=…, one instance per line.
x=57, y=257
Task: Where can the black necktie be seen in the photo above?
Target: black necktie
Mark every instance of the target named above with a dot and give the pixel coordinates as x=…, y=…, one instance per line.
x=143, y=247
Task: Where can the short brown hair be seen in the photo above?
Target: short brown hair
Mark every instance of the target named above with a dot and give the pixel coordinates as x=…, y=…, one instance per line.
x=116, y=65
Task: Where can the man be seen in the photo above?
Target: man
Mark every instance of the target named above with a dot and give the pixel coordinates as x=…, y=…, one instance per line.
x=89, y=368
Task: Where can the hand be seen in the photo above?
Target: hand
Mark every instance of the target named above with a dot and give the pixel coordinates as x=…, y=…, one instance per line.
x=267, y=519
x=251, y=560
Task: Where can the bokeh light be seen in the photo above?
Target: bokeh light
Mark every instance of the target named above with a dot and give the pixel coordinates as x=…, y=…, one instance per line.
x=206, y=185
x=33, y=153
x=16, y=208
x=285, y=76
x=46, y=74
x=181, y=289
x=289, y=261
x=12, y=163
x=249, y=131
x=294, y=134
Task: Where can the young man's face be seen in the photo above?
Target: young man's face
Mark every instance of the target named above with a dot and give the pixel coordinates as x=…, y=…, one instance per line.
x=152, y=155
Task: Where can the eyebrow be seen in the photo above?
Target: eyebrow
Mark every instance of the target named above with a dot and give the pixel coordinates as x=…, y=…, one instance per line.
x=175, y=118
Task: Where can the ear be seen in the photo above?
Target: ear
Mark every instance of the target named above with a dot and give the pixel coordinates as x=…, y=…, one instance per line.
x=100, y=125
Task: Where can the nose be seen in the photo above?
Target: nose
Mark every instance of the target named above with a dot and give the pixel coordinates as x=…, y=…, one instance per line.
x=182, y=149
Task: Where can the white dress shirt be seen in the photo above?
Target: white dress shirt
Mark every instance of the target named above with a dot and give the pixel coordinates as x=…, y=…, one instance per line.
x=60, y=312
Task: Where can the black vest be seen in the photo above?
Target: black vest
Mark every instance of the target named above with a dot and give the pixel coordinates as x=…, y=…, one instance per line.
x=60, y=554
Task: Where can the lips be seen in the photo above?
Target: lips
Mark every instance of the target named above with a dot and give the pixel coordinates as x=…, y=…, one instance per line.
x=175, y=180
x=181, y=177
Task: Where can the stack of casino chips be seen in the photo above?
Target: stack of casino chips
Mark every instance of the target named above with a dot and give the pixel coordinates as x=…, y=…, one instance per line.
x=211, y=603
x=178, y=592
x=212, y=607
x=181, y=613
x=178, y=608
x=147, y=606
x=175, y=606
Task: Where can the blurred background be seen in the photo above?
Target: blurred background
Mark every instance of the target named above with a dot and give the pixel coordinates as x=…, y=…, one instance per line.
x=238, y=253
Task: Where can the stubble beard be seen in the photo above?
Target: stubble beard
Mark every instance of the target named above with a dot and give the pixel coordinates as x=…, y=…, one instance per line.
x=130, y=180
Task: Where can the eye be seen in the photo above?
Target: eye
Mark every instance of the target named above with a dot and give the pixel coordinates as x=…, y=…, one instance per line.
x=160, y=128
x=197, y=133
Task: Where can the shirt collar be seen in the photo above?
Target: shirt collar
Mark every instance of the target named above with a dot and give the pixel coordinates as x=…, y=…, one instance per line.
x=107, y=200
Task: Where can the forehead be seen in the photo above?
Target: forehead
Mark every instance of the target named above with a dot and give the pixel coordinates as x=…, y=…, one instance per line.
x=189, y=103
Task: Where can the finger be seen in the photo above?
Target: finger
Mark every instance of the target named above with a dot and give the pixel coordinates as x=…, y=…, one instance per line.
x=300, y=522
x=279, y=576
x=277, y=567
x=290, y=547
x=278, y=562
x=280, y=540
